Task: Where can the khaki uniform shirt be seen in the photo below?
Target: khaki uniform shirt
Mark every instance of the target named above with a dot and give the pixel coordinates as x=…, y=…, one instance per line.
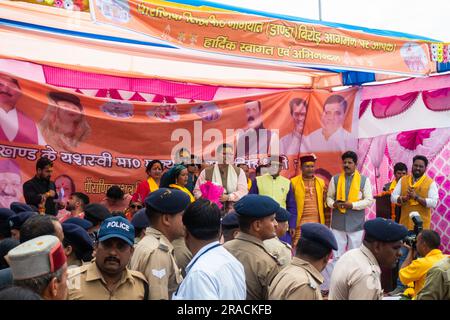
x=437, y=283
x=87, y=283
x=280, y=250
x=154, y=257
x=182, y=254
x=356, y=276
x=259, y=265
x=297, y=281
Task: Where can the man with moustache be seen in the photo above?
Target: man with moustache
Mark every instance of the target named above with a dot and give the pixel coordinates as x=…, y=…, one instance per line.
x=246, y=146
x=290, y=143
x=75, y=206
x=107, y=277
x=40, y=191
x=357, y=274
x=14, y=125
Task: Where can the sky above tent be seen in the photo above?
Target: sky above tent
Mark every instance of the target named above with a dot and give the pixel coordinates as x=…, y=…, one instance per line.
x=424, y=18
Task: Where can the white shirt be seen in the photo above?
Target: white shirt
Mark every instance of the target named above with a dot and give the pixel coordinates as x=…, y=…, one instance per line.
x=9, y=123
x=290, y=143
x=431, y=200
x=213, y=274
x=366, y=199
x=341, y=140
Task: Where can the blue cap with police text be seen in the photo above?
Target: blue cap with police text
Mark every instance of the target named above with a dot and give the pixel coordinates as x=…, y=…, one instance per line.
x=116, y=227
x=385, y=230
x=169, y=201
x=317, y=232
x=256, y=206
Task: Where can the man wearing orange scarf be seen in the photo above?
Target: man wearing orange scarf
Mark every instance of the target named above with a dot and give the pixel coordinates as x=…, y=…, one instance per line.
x=349, y=193
x=400, y=169
x=416, y=192
x=310, y=195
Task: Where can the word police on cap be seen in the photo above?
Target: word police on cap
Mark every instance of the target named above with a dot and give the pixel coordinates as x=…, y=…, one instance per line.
x=117, y=224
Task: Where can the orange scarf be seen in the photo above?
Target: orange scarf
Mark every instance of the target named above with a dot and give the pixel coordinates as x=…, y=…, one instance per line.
x=185, y=190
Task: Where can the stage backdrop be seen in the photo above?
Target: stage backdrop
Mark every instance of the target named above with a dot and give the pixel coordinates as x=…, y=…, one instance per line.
x=99, y=142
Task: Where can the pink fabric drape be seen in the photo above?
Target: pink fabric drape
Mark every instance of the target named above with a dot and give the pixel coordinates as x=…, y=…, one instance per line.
x=392, y=106
x=437, y=100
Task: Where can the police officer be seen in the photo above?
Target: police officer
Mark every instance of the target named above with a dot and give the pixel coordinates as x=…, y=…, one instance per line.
x=78, y=245
x=257, y=223
x=230, y=226
x=107, y=277
x=278, y=248
x=154, y=254
x=301, y=279
x=357, y=274
x=16, y=221
x=140, y=223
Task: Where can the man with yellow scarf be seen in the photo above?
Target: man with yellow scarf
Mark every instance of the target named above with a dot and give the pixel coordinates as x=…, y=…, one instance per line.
x=310, y=195
x=416, y=192
x=349, y=193
x=400, y=169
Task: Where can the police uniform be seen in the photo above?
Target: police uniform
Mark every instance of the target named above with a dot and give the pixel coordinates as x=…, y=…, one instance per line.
x=260, y=266
x=87, y=282
x=278, y=248
x=357, y=274
x=437, y=283
x=79, y=239
x=301, y=280
x=182, y=254
x=154, y=254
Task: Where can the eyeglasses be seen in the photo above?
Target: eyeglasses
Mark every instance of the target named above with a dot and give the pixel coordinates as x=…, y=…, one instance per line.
x=136, y=206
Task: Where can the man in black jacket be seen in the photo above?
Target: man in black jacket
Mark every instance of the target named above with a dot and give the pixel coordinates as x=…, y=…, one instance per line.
x=40, y=191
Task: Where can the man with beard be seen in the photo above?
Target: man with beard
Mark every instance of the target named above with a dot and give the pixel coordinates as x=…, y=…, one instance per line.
x=40, y=191
x=107, y=277
x=14, y=125
x=290, y=143
x=75, y=206
x=416, y=192
x=10, y=183
x=260, y=144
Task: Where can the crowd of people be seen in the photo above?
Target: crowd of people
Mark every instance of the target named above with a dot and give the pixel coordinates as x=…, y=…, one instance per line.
x=194, y=232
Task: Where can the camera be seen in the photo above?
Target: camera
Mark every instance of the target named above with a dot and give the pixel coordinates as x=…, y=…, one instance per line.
x=411, y=238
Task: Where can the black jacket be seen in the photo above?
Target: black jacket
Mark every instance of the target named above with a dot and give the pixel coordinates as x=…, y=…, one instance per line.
x=34, y=189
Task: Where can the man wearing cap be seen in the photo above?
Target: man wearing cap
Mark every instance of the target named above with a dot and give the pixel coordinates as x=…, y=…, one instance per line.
x=107, y=277
x=14, y=125
x=280, y=189
x=278, y=248
x=78, y=245
x=83, y=223
x=310, y=195
x=48, y=274
x=40, y=191
x=257, y=223
x=357, y=274
x=140, y=223
x=19, y=207
x=224, y=173
x=230, y=226
x=154, y=254
x=5, y=231
x=214, y=273
x=96, y=214
x=10, y=182
x=349, y=193
x=16, y=221
x=74, y=207
x=301, y=279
